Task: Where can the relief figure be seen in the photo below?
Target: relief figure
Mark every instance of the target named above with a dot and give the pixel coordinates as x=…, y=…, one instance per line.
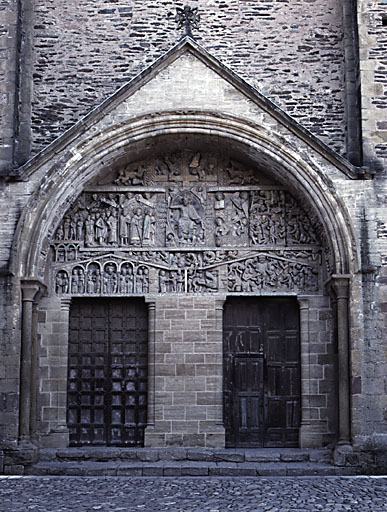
x=90, y=231
x=124, y=229
x=100, y=229
x=136, y=227
x=110, y=279
x=188, y=224
x=240, y=202
x=111, y=222
x=62, y=282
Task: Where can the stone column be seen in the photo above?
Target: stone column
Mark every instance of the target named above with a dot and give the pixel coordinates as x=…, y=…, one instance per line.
x=30, y=289
x=340, y=284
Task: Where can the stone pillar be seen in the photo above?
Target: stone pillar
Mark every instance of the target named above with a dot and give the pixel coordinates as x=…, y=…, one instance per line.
x=340, y=284
x=30, y=289
x=151, y=368
x=59, y=434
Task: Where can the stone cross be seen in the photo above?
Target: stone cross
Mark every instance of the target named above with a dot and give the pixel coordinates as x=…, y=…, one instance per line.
x=187, y=18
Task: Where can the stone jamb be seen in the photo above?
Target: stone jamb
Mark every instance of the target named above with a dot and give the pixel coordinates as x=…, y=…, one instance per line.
x=305, y=440
x=151, y=403
x=219, y=308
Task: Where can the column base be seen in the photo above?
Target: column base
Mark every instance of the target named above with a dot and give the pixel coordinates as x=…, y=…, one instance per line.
x=340, y=453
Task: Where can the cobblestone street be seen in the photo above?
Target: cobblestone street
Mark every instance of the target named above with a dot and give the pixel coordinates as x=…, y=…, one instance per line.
x=113, y=494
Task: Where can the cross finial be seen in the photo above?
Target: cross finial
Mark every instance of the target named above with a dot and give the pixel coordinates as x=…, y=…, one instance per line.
x=187, y=18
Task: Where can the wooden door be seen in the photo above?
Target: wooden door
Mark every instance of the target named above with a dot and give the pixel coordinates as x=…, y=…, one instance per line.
x=261, y=372
x=107, y=372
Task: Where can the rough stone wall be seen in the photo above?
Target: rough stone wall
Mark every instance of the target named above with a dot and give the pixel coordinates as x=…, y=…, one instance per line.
x=372, y=213
x=9, y=364
x=373, y=68
x=290, y=50
x=8, y=64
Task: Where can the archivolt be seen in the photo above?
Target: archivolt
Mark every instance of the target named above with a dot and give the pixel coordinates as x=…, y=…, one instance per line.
x=85, y=156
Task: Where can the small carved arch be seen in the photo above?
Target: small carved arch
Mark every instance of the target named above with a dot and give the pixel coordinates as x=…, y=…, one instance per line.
x=93, y=278
x=127, y=278
x=109, y=278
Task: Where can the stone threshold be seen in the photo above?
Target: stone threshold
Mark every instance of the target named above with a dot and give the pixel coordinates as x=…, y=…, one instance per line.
x=187, y=468
x=173, y=462
x=262, y=455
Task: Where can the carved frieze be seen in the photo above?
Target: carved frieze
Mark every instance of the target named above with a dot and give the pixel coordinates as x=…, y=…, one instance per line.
x=99, y=278
x=267, y=272
x=174, y=222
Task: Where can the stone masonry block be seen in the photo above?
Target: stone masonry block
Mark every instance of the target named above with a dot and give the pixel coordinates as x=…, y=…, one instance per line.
x=183, y=398
x=209, y=398
x=195, y=413
x=197, y=383
x=194, y=336
x=194, y=358
x=209, y=369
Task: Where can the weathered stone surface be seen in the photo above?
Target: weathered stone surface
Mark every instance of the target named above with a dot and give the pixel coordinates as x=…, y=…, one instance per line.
x=292, y=52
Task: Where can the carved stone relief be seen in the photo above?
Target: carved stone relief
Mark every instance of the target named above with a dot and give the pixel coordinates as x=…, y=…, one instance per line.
x=267, y=272
x=97, y=277
x=176, y=223
x=185, y=224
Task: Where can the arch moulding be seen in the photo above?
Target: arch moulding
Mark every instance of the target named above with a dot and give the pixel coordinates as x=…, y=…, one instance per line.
x=76, y=165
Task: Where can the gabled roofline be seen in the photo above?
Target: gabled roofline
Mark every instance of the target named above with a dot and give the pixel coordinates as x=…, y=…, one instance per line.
x=187, y=44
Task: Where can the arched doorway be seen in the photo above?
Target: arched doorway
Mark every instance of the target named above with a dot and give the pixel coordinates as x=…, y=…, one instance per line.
x=205, y=221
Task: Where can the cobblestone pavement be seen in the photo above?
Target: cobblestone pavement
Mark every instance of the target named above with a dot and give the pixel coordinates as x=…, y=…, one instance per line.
x=113, y=494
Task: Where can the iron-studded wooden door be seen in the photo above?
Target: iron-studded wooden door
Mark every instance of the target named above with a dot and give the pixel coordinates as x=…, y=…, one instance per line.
x=261, y=372
x=107, y=372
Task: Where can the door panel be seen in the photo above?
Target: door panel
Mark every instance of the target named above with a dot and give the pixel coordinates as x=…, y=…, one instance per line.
x=261, y=372
x=107, y=378
x=248, y=398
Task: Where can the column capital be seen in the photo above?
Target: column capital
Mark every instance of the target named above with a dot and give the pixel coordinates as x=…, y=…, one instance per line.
x=150, y=304
x=32, y=289
x=340, y=284
x=65, y=304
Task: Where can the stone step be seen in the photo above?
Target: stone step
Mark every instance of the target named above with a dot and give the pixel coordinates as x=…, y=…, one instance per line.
x=186, y=468
x=265, y=455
